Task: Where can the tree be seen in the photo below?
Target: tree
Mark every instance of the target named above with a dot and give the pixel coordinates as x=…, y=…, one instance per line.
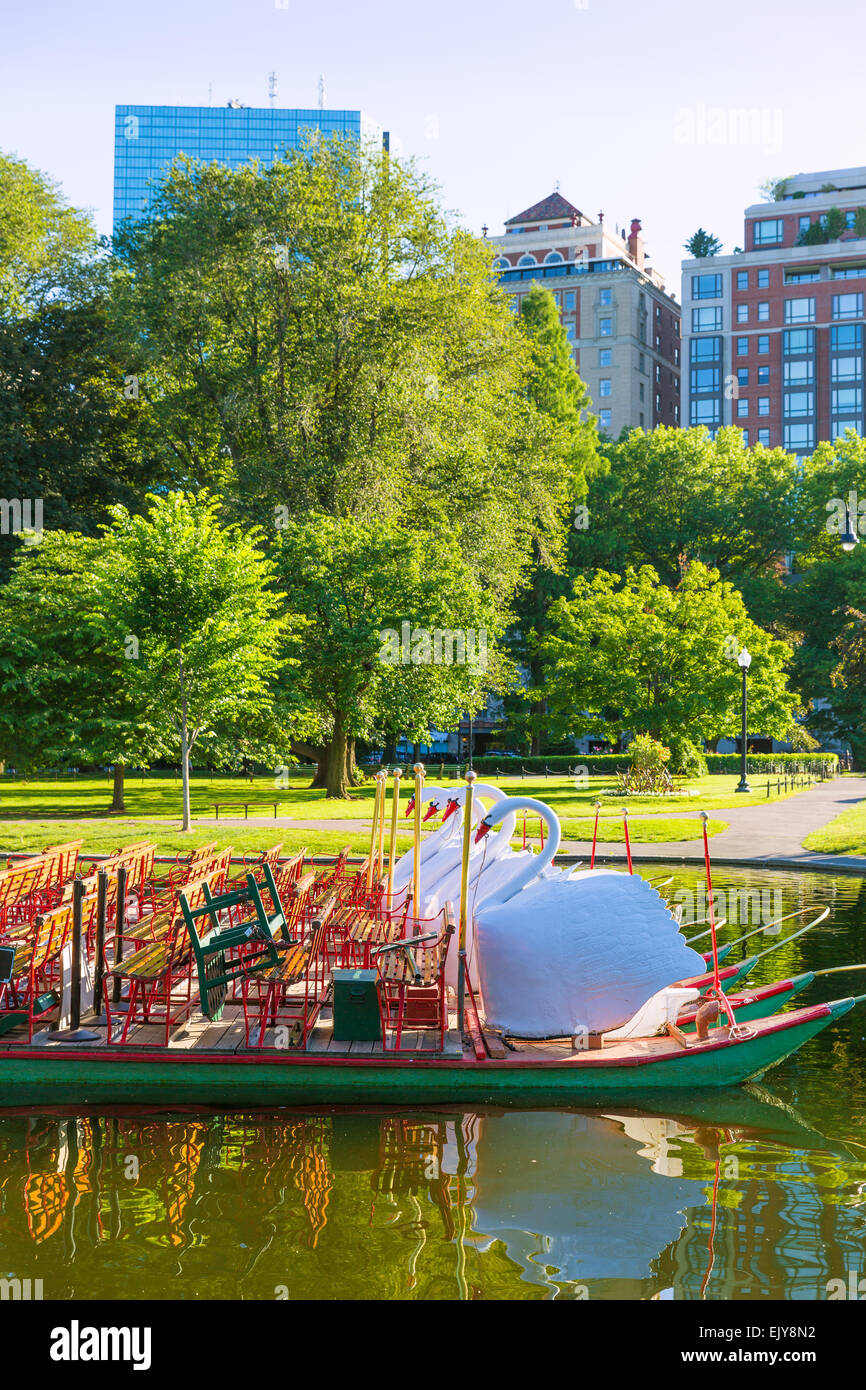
x=701, y=244
x=850, y=673
x=190, y=604
x=773, y=190
x=71, y=440
x=394, y=633
x=636, y=655
x=555, y=388
x=63, y=694
x=315, y=338
x=673, y=496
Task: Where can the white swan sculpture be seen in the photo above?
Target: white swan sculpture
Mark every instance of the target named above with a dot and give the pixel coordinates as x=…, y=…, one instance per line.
x=560, y=955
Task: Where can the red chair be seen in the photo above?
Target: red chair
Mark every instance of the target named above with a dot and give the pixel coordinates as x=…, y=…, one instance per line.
x=412, y=990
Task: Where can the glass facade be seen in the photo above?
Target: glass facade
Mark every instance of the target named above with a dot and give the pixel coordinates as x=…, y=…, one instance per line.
x=147, y=139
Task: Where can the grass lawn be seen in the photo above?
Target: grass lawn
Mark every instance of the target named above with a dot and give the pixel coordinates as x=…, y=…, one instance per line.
x=35, y=814
x=844, y=835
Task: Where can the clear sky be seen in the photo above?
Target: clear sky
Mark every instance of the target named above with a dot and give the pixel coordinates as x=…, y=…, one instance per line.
x=631, y=107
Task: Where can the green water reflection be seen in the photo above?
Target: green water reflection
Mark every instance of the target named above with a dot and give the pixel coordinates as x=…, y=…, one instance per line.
x=754, y=1193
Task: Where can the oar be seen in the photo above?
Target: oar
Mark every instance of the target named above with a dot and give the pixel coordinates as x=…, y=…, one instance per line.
x=837, y=969
x=808, y=927
x=763, y=927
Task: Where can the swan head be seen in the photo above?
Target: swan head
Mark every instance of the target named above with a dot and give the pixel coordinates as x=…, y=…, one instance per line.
x=450, y=808
x=483, y=827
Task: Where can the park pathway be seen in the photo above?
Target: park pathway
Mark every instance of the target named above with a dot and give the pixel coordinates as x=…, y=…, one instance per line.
x=770, y=834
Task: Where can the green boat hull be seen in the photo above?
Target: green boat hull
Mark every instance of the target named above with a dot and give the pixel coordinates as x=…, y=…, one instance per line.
x=38, y=1077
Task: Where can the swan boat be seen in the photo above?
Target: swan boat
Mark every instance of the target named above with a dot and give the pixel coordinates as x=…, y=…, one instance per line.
x=560, y=987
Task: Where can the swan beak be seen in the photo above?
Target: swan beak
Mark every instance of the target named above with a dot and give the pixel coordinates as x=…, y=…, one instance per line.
x=482, y=830
x=411, y=807
x=449, y=810
x=431, y=811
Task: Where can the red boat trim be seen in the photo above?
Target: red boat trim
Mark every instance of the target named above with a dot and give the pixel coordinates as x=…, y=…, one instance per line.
x=177, y=1058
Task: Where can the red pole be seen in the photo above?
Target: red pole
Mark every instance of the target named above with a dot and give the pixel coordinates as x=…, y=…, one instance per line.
x=627, y=845
x=594, y=835
x=716, y=981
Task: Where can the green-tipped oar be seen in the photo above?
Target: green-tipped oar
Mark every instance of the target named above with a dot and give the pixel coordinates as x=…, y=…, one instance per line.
x=837, y=969
x=808, y=927
x=765, y=926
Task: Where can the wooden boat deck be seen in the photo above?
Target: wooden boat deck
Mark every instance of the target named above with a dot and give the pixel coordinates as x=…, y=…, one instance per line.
x=199, y=1037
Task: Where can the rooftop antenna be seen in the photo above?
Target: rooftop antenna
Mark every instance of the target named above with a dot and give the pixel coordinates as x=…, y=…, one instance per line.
x=321, y=92
x=556, y=186
x=210, y=94
x=272, y=87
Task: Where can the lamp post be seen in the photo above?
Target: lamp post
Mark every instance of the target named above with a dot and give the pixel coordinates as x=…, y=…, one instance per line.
x=849, y=537
x=744, y=661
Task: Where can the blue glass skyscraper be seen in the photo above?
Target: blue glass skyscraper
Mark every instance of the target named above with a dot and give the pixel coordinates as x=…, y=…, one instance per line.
x=148, y=138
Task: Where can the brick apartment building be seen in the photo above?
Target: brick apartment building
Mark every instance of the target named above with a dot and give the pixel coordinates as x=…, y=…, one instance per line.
x=773, y=335
x=624, y=326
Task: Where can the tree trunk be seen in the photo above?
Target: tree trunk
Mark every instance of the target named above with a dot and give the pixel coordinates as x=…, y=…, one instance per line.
x=117, y=801
x=353, y=776
x=184, y=754
x=313, y=754
x=389, y=752
x=336, y=784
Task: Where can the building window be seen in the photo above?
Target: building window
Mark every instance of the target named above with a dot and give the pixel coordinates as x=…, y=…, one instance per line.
x=804, y=224
x=846, y=368
x=847, y=336
x=763, y=376
x=799, y=340
x=742, y=313
x=569, y=301
x=705, y=411
x=742, y=280
x=799, y=438
x=704, y=379
x=707, y=320
x=705, y=287
x=604, y=357
x=501, y=264
x=658, y=404
x=763, y=405
x=605, y=328
x=848, y=272
x=676, y=357
x=604, y=386
x=763, y=312
x=763, y=279
x=553, y=258
x=767, y=231
x=742, y=407
x=705, y=350
x=742, y=347
x=658, y=341
x=745, y=437
x=799, y=311
x=849, y=221
x=641, y=363
x=605, y=298
x=640, y=390
x=799, y=373
x=641, y=419
x=527, y=260
x=763, y=344
x=764, y=438
x=798, y=403
x=658, y=372
x=847, y=398
x=742, y=376
x=604, y=419
x=847, y=306
x=569, y=332
x=801, y=277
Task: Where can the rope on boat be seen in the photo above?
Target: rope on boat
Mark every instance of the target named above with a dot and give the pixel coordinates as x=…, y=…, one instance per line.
x=736, y=1031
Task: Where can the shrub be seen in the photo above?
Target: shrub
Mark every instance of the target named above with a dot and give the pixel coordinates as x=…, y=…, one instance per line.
x=687, y=759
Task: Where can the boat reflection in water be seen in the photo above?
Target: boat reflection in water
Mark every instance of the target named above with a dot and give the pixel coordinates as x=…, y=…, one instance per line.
x=735, y=1197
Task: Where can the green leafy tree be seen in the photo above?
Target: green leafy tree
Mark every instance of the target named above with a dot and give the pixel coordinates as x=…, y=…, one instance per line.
x=63, y=693
x=189, y=602
x=71, y=428
x=701, y=244
x=850, y=674
x=352, y=585
x=636, y=655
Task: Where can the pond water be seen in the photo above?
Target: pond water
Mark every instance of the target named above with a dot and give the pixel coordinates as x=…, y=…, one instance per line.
x=755, y=1193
